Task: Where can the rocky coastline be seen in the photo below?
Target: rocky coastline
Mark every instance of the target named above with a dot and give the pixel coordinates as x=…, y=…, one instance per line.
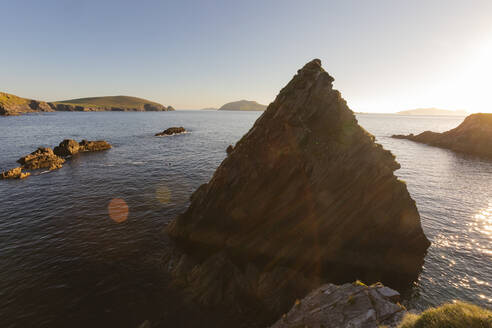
x=473, y=136
x=11, y=105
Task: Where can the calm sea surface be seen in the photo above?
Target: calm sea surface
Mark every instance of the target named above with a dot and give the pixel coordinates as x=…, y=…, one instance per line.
x=65, y=262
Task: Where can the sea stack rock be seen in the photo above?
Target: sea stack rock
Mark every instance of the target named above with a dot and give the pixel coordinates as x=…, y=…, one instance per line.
x=305, y=193
x=473, y=136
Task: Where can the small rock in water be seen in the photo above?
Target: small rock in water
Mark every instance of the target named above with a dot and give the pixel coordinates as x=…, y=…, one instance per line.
x=171, y=131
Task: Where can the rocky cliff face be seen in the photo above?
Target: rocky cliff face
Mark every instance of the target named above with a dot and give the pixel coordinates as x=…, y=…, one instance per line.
x=305, y=196
x=473, y=136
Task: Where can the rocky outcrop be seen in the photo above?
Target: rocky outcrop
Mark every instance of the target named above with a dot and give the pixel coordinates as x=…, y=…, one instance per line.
x=69, y=147
x=473, y=136
x=43, y=157
x=171, y=131
x=305, y=196
x=349, y=305
x=15, y=173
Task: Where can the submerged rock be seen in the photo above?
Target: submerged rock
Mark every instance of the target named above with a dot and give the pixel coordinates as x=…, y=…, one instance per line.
x=43, y=157
x=15, y=173
x=306, y=196
x=171, y=131
x=473, y=136
x=348, y=305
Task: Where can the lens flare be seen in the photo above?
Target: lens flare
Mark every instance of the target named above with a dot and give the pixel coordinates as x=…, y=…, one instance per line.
x=118, y=210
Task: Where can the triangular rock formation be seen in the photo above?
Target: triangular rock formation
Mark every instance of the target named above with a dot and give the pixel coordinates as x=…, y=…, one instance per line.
x=307, y=189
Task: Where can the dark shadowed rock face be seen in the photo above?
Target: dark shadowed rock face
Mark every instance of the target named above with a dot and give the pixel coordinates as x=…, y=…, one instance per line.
x=305, y=196
x=348, y=305
x=473, y=136
x=171, y=131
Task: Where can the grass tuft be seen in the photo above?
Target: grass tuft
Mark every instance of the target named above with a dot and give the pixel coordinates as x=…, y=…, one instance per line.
x=456, y=315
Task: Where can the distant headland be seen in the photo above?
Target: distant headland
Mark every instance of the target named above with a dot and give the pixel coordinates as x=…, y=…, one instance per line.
x=433, y=111
x=14, y=105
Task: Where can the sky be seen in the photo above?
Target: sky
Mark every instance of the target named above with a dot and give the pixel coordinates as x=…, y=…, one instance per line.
x=385, y=56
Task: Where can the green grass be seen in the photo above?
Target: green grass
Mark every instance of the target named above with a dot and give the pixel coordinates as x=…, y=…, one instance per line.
x=110, y=101
x=456, y=315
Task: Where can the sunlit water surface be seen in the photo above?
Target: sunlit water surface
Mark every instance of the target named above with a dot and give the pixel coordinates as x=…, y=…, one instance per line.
x=78, y=246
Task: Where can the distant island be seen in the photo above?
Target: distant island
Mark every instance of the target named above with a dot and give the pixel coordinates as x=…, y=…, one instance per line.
x=243, y=105
x=210, y=108
x=433, y=111
x=14, y=105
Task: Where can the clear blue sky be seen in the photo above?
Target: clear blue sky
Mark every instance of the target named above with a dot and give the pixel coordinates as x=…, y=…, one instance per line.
x=384, y=55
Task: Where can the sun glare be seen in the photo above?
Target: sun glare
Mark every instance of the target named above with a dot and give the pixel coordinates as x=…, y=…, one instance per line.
x=475, y=83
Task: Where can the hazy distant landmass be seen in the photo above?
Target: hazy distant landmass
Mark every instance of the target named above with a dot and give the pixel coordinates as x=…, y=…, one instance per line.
x=14, y=105
x=210, y=108
x=432, y=111
x=244, y=105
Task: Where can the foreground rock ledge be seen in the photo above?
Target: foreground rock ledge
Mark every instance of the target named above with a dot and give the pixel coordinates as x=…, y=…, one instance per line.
x=305, y=196
x=473, y=136
x=349, y=305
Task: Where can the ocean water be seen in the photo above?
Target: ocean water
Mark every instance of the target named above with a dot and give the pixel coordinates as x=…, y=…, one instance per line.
x=79, y=246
